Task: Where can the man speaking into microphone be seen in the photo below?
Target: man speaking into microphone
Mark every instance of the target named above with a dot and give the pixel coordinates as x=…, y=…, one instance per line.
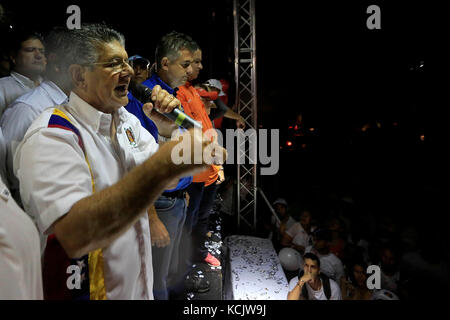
x=174, y=55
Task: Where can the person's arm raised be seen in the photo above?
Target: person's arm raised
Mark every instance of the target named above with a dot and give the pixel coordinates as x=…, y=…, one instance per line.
x=95, y=221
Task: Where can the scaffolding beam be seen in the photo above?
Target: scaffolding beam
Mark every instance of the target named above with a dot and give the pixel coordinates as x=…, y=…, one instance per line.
x=246, y=102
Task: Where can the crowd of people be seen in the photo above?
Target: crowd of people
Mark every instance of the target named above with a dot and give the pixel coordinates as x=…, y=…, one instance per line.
x=89, y=186
x=356, y=256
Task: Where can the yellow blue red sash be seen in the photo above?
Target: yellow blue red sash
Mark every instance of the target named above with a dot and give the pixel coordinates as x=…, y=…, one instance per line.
x=56, y=260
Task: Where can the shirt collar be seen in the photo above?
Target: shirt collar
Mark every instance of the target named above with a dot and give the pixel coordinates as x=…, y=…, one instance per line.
x=24, y=80
x=157, y=80
x=87, y=114
x=54, y=91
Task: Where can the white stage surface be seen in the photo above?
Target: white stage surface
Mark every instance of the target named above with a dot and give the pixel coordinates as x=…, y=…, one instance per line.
x=253, y=270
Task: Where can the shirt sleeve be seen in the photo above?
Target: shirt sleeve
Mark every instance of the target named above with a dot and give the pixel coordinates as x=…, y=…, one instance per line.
x=335, y=290
x=292, y=231
x=53, y=175
x=293, y=283
x=301, y=239
x=16, y=121
x=219, y=111
x=339, y=267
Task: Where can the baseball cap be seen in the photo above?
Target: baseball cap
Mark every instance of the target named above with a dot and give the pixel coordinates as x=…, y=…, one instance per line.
x=216, y=84
x=280, y=201
x=139, y=59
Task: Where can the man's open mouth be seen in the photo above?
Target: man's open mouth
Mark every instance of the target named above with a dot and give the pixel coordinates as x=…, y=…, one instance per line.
x=122, y=90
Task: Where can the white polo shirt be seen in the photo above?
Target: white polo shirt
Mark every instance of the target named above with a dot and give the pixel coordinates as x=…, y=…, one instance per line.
x=54, y=175
x=20, y=261
x=13, y=87
x=18, y=117
x=299, y=235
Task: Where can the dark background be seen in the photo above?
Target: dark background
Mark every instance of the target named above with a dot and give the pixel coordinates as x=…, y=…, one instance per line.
x=318, y=58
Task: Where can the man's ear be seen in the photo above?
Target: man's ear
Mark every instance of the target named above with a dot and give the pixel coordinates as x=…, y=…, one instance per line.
x=77, y=75
x=165, y=63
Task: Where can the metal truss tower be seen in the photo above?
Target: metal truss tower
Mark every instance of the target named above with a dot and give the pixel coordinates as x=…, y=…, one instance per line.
x=246, y=102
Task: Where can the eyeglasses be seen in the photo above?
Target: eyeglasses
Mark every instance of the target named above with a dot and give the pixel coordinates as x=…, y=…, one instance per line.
x=117, y=65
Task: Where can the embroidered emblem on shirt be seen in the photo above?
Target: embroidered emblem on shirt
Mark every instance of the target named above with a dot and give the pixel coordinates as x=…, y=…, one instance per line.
x=130, y=136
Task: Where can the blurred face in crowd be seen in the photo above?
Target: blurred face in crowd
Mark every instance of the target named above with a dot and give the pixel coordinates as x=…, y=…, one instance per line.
x=320, y=244
x=141, y=71
x=178, y=71
x=104, y=85
x=305, y=218
x=360, y=275
x=388, y=262
x=281, y=209
x=196, y=65
x=334, y=226
x=30, y=60
x=311, y=267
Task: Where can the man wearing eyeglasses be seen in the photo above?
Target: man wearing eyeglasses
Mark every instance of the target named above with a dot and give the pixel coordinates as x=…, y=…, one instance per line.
x=89, y=173
x=54, y=90
x=28, y=58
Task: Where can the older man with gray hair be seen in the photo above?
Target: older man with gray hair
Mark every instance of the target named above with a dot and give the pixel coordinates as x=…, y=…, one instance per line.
x=89, y=173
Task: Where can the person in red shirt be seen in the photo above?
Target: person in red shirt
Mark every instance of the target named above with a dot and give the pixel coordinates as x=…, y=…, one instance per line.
x=217, y=86
x=203, y=189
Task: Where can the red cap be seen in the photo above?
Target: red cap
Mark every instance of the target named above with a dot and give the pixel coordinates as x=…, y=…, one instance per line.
x=213, y=95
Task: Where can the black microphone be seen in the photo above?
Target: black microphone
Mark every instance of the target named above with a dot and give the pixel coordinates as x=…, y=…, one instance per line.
x=144, y=95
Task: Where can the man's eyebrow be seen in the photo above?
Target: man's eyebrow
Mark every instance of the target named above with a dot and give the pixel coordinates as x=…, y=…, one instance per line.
x=116, y=56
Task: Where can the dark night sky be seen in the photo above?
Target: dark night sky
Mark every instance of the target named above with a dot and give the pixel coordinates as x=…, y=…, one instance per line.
x=317, y=57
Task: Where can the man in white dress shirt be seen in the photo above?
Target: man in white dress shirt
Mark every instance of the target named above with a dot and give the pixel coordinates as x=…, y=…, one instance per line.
x=20, y=261
x=89, y=172
x=29, y=62
x=54, y=91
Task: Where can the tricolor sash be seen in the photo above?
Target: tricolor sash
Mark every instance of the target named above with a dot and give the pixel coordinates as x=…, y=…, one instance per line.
x=57, y=274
